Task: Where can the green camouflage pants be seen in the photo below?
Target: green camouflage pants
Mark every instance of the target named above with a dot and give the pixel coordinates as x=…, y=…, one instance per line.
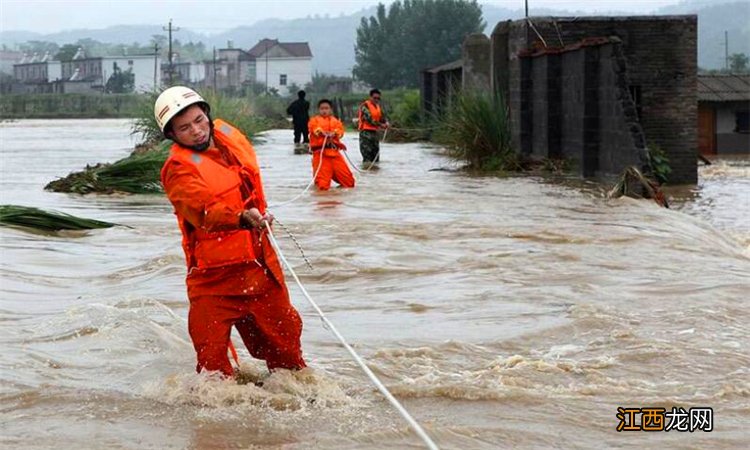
x=369, y=145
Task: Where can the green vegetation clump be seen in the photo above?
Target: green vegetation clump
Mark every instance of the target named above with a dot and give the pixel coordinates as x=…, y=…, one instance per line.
x=659, y=164
x=476, y=129
x=35, y=218
x=138, y=173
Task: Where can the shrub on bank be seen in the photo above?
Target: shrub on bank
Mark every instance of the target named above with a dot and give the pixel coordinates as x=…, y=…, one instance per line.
x=251, y=116
x=476, y=129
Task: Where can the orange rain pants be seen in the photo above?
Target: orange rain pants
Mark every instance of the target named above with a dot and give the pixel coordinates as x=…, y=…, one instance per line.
x=269, y=326
x=334, y=168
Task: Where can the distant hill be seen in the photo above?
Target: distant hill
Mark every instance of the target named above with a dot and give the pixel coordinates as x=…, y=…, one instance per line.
x=332, y=39
x=713, y=19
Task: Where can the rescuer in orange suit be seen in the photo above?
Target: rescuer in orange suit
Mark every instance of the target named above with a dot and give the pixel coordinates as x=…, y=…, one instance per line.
x=328, y=162
x=234, y=278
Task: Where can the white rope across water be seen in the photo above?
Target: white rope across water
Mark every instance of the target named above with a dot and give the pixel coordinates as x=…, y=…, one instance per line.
x=429, y=443
x=309, y=185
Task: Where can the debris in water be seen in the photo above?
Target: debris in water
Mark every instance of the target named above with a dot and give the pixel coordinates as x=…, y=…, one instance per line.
x=632, y=183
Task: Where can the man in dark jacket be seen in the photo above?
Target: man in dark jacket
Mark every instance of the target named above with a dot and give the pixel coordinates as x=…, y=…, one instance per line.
x=300, y=112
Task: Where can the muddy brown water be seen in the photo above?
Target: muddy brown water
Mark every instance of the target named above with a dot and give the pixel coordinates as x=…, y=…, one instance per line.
x=503, y=312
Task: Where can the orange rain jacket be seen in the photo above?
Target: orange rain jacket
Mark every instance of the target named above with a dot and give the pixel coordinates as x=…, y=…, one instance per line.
x=209, y=191
x=234, y=276
x=333, y=167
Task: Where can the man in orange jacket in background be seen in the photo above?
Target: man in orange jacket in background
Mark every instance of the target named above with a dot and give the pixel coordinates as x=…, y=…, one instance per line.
x=328, y=164
x=234, y=278
x=371, y=119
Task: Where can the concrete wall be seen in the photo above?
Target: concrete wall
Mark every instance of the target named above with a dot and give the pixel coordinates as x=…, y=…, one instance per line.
x=576, y=104
x=539, y=108
x=573, y=107
x=438, y=87
x=661, y=52
x=476, y=58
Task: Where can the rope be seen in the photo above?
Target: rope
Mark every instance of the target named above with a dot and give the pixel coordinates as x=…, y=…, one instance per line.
x=429, y=443
x=537, y=32
x=294, y=239
x=309, y=185
x=351, y=163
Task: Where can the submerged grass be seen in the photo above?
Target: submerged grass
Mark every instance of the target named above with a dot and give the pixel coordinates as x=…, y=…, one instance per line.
x=476, y=129
x=35, y=218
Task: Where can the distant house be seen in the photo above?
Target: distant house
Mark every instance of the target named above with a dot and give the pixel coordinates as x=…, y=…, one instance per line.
x=37, y=70
x=33, y=74
x=97, y=70
x=232, y=68
x=724, y=114
x=280, y=65
x=184, y=72
x=8, y=59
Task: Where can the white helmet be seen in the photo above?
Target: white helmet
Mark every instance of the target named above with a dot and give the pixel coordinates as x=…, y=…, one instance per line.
x=172, y=101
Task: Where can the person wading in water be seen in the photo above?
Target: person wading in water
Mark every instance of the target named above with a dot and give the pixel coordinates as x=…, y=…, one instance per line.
x=328, y=164
x=371, y=120
x=213, y=180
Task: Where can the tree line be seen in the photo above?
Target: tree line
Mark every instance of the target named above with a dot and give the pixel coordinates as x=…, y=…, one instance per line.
x=395, y=44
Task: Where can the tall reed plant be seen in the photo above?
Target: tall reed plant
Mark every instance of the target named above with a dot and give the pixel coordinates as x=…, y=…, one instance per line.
x=475, y=128
x=251, y=116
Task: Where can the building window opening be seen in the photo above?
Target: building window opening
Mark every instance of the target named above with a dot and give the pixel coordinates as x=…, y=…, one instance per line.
x=742, y=122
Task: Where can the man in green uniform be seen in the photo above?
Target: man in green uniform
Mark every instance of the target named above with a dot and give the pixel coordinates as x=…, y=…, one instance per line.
x=371, y=119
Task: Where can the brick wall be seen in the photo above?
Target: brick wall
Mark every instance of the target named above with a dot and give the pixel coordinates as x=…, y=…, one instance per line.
x=576, y=104
x=661, y=56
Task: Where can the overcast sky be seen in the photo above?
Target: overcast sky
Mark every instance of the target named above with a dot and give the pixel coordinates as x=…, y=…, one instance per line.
x=48, y=16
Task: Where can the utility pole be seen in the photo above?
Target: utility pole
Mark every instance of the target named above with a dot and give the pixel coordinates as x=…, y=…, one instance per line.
x=214, y=68
x=156, y=66
x=526, y=3
x=170, y=29
x=726, y=50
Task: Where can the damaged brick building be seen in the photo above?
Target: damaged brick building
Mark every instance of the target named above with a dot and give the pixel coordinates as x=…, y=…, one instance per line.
x=598, y=91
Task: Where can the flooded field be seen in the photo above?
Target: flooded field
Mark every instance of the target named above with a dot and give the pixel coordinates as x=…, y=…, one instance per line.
x=503, y=312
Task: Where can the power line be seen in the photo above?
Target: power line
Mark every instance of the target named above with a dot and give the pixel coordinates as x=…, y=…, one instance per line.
x=156, y=66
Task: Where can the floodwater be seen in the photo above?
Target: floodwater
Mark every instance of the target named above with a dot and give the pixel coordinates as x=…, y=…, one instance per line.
x=503, y=312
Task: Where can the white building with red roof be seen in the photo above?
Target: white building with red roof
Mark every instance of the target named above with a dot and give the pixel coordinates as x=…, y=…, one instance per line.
x=281, y=65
